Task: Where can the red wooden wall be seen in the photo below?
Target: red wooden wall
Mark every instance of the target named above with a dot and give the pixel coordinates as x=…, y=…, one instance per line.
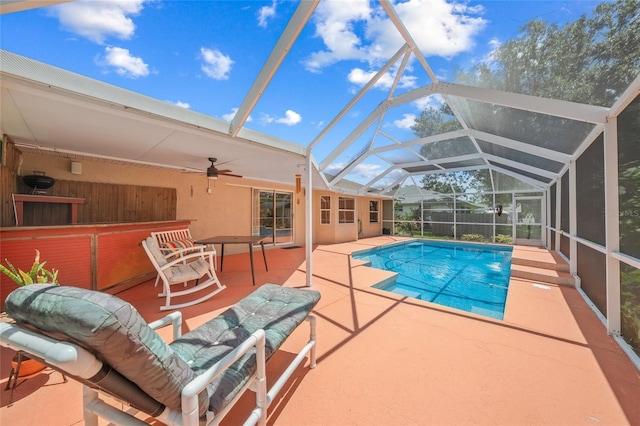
x=100, y=257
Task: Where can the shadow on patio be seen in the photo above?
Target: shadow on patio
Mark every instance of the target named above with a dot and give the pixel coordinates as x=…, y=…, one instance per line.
x=385, y=359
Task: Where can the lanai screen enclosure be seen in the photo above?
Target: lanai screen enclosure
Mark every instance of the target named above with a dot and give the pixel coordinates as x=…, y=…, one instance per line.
x=533, y=141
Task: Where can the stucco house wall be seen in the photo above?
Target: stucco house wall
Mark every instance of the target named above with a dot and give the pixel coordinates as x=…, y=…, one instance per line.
x=215, y=207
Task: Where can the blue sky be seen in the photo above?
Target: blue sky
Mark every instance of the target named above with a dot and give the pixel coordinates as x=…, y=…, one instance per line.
x=203, y=55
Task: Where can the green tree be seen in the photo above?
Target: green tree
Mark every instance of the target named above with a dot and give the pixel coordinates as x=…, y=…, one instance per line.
x=434, y=121
x=590, y=60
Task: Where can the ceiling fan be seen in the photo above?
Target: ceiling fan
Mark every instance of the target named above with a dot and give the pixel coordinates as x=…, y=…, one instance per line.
x=213, y=172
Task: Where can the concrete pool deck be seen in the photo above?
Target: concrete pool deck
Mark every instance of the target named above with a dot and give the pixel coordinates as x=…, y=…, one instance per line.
x=384, y=359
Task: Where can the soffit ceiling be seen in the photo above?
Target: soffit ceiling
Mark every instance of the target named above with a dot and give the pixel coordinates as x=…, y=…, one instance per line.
x=120, y=126
x=53, y=110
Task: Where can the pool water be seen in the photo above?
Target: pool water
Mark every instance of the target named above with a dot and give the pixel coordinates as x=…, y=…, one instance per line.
x=469, y=277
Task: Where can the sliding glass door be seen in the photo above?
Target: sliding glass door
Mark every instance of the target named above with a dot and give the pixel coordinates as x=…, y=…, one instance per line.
x=273, y=215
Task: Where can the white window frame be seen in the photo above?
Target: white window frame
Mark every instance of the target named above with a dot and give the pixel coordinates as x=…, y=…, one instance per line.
x=375, y=212
x=346, y=210
x=325, y=210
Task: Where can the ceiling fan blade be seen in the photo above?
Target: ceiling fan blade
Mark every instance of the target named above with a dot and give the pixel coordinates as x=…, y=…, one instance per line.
x=224, y=171
x=231, y=174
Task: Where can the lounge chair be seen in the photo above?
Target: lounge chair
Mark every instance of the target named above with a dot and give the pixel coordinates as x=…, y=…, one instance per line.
x=188, y=266
x=101, y=341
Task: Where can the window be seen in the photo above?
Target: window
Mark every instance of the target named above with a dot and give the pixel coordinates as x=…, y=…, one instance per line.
x=373, y=212
x=325, y=210
x=346, y=210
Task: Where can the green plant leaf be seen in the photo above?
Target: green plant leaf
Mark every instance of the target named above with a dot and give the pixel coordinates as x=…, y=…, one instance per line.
x=14, y=276
x=26, y=278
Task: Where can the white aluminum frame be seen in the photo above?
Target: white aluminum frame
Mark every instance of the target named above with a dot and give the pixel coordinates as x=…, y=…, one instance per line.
x=79, y=362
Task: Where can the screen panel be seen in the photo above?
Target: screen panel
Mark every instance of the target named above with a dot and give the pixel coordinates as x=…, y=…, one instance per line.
x=590, y=211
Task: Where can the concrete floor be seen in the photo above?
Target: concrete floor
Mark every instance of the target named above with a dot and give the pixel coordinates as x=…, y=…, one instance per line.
x=384, y=359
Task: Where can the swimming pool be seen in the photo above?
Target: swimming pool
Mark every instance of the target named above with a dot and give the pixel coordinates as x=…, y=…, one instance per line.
x=469, y=277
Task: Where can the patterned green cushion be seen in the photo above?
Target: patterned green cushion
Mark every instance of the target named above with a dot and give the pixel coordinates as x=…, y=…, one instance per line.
x=276, y=309
x=110, y=328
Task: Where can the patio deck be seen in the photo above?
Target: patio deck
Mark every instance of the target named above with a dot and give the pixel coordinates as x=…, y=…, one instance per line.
x=387, y=360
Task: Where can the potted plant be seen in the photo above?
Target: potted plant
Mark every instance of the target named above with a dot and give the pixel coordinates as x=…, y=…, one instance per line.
x=36, y=275
x=22, y=365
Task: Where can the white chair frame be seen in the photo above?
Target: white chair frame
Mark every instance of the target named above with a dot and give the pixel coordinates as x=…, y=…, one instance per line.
x=163, y=237
x=182, y=257
x=78, y=362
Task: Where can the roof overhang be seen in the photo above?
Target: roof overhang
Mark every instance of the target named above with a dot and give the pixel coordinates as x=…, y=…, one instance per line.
x=53, y=110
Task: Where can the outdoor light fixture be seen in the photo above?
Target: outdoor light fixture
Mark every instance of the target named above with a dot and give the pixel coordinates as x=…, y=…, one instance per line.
x=298, y=183
x=76, y=168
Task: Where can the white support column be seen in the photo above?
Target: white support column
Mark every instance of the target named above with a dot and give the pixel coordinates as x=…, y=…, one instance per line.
x=547, y=214
x=422, y=217
x=612, y=224
x=514, y=218
x=493, y=233
x=573, y=215
x=308, y=224
x=558, y=212
x=455, y=215
x=543, y=220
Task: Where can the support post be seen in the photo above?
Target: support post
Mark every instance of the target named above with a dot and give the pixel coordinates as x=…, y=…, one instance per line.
x=573, y=217
x=612, y=224
x=558, y=214
x=309, y=219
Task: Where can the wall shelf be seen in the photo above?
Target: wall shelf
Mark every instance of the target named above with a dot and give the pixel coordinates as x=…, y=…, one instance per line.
x=20, y=199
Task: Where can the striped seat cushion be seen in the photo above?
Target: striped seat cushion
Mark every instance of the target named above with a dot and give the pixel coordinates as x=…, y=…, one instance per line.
x=174, y=246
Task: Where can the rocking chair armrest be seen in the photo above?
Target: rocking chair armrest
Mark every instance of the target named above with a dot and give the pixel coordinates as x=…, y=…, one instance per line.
x=207, y=255
x=174, y=318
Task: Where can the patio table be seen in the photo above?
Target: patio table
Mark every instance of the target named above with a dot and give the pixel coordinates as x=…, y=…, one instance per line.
x=251, y=240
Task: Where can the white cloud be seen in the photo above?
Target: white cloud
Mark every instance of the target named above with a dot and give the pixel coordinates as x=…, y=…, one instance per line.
x=182, y=104
x=428, y=102
x=362, y=173
x=335, y=25
x=266, y=12
x=124, y=64
x=291, y=118
x=406, y=122
x=359, y=32
x=232, y=114
x=361, y=77
x=97, y=20
x=216, y=64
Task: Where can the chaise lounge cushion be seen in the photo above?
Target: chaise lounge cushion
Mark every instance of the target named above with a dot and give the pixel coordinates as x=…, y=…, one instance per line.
x=109, y=327
x=276, y=309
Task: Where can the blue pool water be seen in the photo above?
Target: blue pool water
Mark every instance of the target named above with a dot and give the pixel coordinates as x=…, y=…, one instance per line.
x=469, y=277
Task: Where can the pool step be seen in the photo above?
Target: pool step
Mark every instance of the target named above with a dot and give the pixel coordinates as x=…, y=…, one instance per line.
x=405, y=292
x=562, y=266
x=537, y=257
x=539, y=264
x=543, y=275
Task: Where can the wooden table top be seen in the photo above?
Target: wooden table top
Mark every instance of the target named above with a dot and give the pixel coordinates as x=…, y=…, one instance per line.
x=231, y=239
